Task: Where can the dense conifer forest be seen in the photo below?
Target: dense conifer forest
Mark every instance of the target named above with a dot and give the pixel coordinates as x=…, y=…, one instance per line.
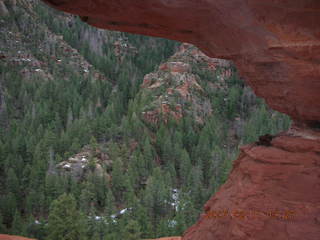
x=79, y=159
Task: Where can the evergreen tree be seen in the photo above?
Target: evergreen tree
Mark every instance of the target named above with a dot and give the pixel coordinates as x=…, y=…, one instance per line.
x=87, y=197
x=13, y=184
x=2, y=227
x=156, y=197
x=185, y=167
x=65, y=221
x=109, y=203
x=195, y=183
x=118, y=179
x=148, y=154
x=141, y=214
x=8, y=206
x=131, y=231
x=129, y=195
x=17, y=224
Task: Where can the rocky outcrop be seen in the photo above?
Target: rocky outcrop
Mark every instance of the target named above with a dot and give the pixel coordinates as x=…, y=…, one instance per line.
x=273, y=190
x=272, y=193
x=87, y=161
x=175, y=89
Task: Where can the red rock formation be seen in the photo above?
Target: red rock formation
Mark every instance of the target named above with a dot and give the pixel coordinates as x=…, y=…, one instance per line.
x=275, y=44
x=10, y=237
x=178, y=67
x=273, y=191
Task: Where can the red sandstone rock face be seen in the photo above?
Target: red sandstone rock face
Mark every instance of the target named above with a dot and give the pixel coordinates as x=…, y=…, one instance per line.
x=272, y=193
x=275, y=44
x=10, y=237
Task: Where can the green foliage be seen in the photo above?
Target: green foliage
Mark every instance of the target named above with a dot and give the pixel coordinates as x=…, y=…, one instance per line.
x=65, y=221
x=156, y=196
x=17, y=224
x=262, y=122
x=118, y=179
x=131, y=231
x=2, y=227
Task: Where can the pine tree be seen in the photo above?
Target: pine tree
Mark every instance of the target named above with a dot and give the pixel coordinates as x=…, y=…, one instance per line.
x=131, y=231
x=65, y=221
x=167, y=150
x=141, y=214
x=2, y=227
x=51, y=188
x=8, y=206
x=185, y=167
x=156, y=197
x=129, y=196
x=87, y=197
x=17, y=224
x=180, y=222
x=109, y=203
x=13, y=183
x=195, y=183
x=93, y=143
x=118, y=180
x=133, y=171
x=148, y=154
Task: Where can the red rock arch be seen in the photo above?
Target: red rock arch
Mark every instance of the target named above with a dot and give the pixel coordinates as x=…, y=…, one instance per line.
x=276, y=46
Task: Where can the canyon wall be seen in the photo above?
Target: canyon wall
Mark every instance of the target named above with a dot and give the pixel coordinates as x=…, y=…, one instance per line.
x=273, y=191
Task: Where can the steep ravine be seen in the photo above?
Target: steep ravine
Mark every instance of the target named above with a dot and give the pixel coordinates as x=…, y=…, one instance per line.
x=273, y=190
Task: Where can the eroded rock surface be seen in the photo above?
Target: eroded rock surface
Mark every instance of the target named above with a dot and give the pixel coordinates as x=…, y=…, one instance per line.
x=275, y=44
x=273, y=192
x=85, y=162
x=176, y=90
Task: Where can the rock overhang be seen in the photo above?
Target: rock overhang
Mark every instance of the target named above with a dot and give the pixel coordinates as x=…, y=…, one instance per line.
x=276, y=47
x=275, y=44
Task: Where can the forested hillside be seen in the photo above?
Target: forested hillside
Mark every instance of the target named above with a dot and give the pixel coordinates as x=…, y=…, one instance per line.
x=107, y=135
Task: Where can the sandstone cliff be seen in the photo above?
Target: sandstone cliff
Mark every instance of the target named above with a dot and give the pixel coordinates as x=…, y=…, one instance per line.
x=272, y=193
